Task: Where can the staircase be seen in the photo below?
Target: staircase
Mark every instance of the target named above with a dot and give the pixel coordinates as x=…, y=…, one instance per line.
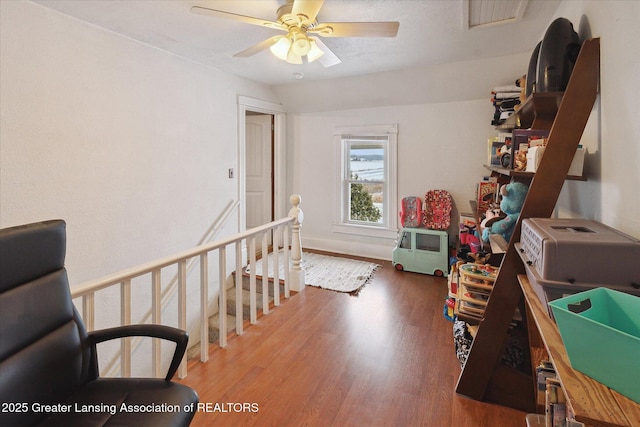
x=214, y=320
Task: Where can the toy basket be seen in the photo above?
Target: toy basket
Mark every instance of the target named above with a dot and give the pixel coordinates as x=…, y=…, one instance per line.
x=600, y=329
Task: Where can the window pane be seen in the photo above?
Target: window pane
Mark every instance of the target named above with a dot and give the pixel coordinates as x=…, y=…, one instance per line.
x=428, y=242
x=405, y=241
x=366, y=175
x=366, y=162
x=366, y=202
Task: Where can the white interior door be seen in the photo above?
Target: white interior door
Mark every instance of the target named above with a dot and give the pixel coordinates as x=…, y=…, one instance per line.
x=259, y=170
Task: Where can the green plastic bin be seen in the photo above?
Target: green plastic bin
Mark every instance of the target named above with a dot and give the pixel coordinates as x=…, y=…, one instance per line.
x=600, y=329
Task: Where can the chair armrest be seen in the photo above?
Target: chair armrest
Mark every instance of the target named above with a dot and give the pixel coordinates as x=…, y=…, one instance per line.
x=169, y=333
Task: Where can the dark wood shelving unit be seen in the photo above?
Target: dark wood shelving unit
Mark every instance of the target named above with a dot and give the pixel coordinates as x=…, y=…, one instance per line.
x=565, y=115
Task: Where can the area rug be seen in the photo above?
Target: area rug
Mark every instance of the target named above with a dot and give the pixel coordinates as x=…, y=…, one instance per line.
x=327, y=272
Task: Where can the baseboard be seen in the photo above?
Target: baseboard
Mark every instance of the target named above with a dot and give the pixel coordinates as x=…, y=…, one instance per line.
x=348, y=247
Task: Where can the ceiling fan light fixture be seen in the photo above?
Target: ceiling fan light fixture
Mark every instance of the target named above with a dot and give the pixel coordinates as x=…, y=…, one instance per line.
x=292, y=58
x=298, y=19
x=300, y=44
x=314, y=52
x=281, y=48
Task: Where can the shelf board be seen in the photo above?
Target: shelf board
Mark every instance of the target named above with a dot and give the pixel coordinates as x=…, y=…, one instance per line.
x=527, y=175
x=537, y=107
x=498, y=244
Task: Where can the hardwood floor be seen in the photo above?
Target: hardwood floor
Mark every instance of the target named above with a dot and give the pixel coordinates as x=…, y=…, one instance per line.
x=323, y=358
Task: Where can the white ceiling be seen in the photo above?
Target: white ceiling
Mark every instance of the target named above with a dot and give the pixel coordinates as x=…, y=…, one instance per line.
x=431, y=32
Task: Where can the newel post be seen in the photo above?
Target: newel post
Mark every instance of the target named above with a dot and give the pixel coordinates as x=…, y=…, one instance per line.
x=296, y=273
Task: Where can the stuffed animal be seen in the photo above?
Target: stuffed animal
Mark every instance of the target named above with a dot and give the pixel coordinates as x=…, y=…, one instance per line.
x=513, y=196
x=468, y=235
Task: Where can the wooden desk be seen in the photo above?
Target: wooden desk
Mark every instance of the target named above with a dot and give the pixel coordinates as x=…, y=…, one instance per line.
x=590, y=401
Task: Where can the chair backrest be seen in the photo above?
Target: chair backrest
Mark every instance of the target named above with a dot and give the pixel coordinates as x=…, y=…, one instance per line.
x=43, y=354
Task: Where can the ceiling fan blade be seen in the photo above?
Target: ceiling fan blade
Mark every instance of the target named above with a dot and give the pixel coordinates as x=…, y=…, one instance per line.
x=307, y=8
x=266, y=44
x=329, y=58
x=234, y=16
x=357, y=29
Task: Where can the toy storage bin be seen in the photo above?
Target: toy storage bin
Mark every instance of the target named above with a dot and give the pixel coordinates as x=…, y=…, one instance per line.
x=577, y=250
x=549, y=290
x=600, y=329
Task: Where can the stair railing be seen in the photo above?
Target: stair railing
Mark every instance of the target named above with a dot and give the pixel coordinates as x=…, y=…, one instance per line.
x=293, y=280
x=129, y=344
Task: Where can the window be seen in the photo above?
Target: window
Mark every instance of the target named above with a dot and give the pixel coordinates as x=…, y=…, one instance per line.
x=367, y=181
x=405, y=240
x=428, y=242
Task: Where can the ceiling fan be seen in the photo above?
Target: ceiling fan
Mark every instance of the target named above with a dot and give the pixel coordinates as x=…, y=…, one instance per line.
x=297, y=18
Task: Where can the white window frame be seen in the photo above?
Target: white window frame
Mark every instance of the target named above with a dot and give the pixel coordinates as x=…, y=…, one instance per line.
x=389, y=228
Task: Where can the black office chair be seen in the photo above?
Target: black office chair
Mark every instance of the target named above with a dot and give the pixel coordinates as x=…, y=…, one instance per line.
x=48, y=361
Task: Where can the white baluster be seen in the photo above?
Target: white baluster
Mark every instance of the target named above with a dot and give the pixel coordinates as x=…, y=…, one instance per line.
x=182, y=310
x=156, y=310
x=287, y=261
x=125, y=319
x=296, y=273
x=253, y=316
x=89, y=311
x=204, y=307
x=265, y=273
x=222, y=296
x=238, y=277
x=276, y=268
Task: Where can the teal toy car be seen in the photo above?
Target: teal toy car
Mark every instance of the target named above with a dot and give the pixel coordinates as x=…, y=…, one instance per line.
x=422, y=250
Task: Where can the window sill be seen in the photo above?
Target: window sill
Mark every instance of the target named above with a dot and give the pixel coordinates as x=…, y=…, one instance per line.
x=366, y=230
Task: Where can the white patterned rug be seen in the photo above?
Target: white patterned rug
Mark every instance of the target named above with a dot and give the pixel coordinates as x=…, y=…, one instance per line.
x=327, y=272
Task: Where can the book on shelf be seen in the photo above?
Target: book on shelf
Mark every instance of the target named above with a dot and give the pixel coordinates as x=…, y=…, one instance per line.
x=556, y=404
x=495, y=148
x=506, y=88
x=486, y=195
x=543, y=371
x=522, y=139
x=505, y=100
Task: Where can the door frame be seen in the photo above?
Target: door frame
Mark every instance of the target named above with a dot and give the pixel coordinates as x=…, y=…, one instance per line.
x=246, y=104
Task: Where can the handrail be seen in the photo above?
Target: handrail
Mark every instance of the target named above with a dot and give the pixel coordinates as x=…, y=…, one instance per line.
x=137, y=271
x=294, y=279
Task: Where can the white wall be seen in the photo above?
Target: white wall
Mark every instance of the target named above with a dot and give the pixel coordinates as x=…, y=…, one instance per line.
x=435, y=151
x=421, y=85
x=442, y=138
x=129, y=144
x=612, y=137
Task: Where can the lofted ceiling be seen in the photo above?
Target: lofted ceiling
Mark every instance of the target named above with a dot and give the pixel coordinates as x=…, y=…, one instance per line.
x=431, y=32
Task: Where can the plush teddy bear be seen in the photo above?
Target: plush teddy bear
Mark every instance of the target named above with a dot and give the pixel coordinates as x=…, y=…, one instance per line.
x=513, y=196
